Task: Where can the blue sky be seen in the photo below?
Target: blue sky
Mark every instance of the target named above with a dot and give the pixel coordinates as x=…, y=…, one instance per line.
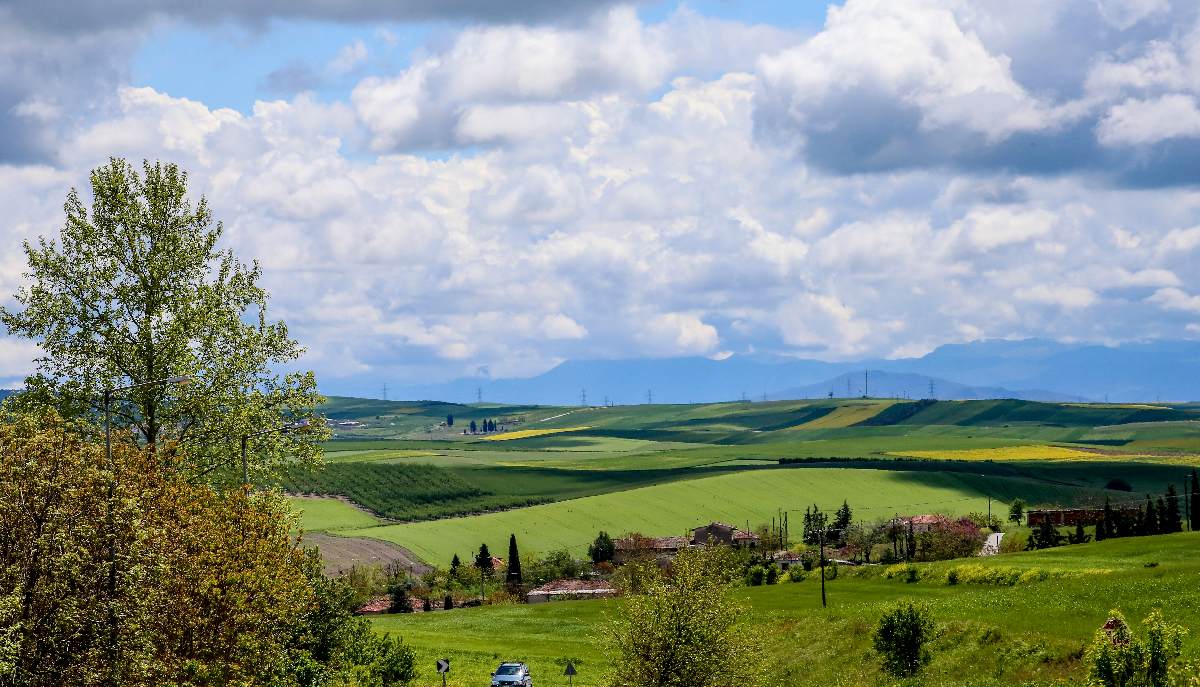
x=438, y=189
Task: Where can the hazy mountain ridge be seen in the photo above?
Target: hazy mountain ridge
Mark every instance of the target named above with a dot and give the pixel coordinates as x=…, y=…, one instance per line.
x=1030, y=369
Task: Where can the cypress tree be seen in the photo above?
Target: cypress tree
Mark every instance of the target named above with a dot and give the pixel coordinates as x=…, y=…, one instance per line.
x=1101, y=527
x=1194, y=494
x=1112, y=528
x=513, y=577
x=455, y=564
x=483, y=560
x=1149, y=518
x=841, y=522
x=1169, y=514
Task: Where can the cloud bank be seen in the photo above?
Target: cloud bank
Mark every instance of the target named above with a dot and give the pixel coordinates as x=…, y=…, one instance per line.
x=916, y=172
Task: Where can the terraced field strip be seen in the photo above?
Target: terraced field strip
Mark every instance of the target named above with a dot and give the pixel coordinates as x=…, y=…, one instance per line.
x=527, y=433
x=1010, y=453
x=846, y=416
x=322, y=513
x=751, y=496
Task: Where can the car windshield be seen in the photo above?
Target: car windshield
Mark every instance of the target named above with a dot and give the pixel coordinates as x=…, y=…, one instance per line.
x=509, y=670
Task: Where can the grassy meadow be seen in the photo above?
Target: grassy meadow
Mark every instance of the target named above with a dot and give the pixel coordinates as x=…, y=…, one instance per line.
x=1031, y=633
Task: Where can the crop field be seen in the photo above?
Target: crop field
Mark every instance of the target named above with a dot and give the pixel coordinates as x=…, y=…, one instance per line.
x=1006, y=453
x=322, y=513
x=747, y=496
x=530, y=433
x=560, y=474
x=1028, y=633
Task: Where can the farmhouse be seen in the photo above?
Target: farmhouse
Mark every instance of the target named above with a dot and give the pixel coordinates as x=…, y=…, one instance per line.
x=720, y=533
x=636, y=546
x=1072, y=516
x=561, y=590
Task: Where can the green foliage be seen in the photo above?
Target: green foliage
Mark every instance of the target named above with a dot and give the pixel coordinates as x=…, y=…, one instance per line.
x=512, y=576
x=1016, y=511
x=1118, y=658
x=137, y=291
x=901, y=636
x=1044, y=536
x=602, y=549
x=683, y=631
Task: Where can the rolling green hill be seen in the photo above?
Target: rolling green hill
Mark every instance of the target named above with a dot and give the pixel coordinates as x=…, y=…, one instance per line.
x=743, y=497
x=1028, y=634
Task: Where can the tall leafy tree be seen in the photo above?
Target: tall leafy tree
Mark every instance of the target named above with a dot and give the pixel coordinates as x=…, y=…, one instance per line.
x=1016, y=512
x=136, y=290
x=684, y=630
x=842, y=519
x=602, y=549
x=512, y=576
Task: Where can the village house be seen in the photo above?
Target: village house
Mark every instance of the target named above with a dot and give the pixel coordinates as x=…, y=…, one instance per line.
x=564, y=590
x=636, y=546
x=720, y=533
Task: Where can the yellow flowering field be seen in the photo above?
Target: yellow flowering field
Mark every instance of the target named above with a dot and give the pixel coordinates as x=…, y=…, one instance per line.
x=526, y=433
x=1040, y=452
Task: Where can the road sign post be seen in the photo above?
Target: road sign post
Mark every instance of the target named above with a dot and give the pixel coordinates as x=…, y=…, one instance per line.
x=443, y=667
x=570, y=673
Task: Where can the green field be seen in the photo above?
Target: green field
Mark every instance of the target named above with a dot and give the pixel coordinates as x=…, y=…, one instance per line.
x=660, y=469
x=1030, y=633
x=753, y=496
x=320, y=514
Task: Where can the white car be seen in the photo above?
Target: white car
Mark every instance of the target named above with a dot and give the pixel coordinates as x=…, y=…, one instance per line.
x=512, y=675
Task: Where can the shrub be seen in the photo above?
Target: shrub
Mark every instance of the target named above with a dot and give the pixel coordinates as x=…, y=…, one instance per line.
x=754, y=576
x=1117, y=658
x=772, y=575
x=901, y=636
x=794, y=575
x=905, y=571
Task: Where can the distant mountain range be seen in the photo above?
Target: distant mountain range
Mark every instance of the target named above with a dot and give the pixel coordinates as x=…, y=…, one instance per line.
x=1030, y=369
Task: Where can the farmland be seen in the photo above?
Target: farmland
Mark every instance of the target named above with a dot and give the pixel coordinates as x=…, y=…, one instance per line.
x=1027, y=633
x=555, y=475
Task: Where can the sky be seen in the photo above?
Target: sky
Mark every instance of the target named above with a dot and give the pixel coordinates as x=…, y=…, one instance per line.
x=448, y=188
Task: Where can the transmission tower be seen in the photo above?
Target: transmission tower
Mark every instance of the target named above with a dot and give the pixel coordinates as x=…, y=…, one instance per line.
x=583, y=397
x=479, y=394
x=932, y=393
x=385, y=391
x=649, y=396
x=866, y=383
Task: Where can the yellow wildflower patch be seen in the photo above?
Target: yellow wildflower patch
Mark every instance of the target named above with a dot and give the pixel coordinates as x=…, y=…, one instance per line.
x=1042, y=452
x=527, y=433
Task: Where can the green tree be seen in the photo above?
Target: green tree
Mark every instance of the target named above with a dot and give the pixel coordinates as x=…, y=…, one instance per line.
x=1150, y=523
x=454, y=564
x=136, y=291
x=683, y=630
x=602, y=549
x=1045, y=536
x=1194, y=495
x=512, y=576
x=1079, y=536
x=449, y=420
x=483, y=561
x=212, y=586
x=901, y=636
x=1118, y=658
x=841, y=521
x=1016, y=512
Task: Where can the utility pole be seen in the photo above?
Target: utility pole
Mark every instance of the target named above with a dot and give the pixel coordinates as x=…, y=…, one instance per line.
x=866, y=383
